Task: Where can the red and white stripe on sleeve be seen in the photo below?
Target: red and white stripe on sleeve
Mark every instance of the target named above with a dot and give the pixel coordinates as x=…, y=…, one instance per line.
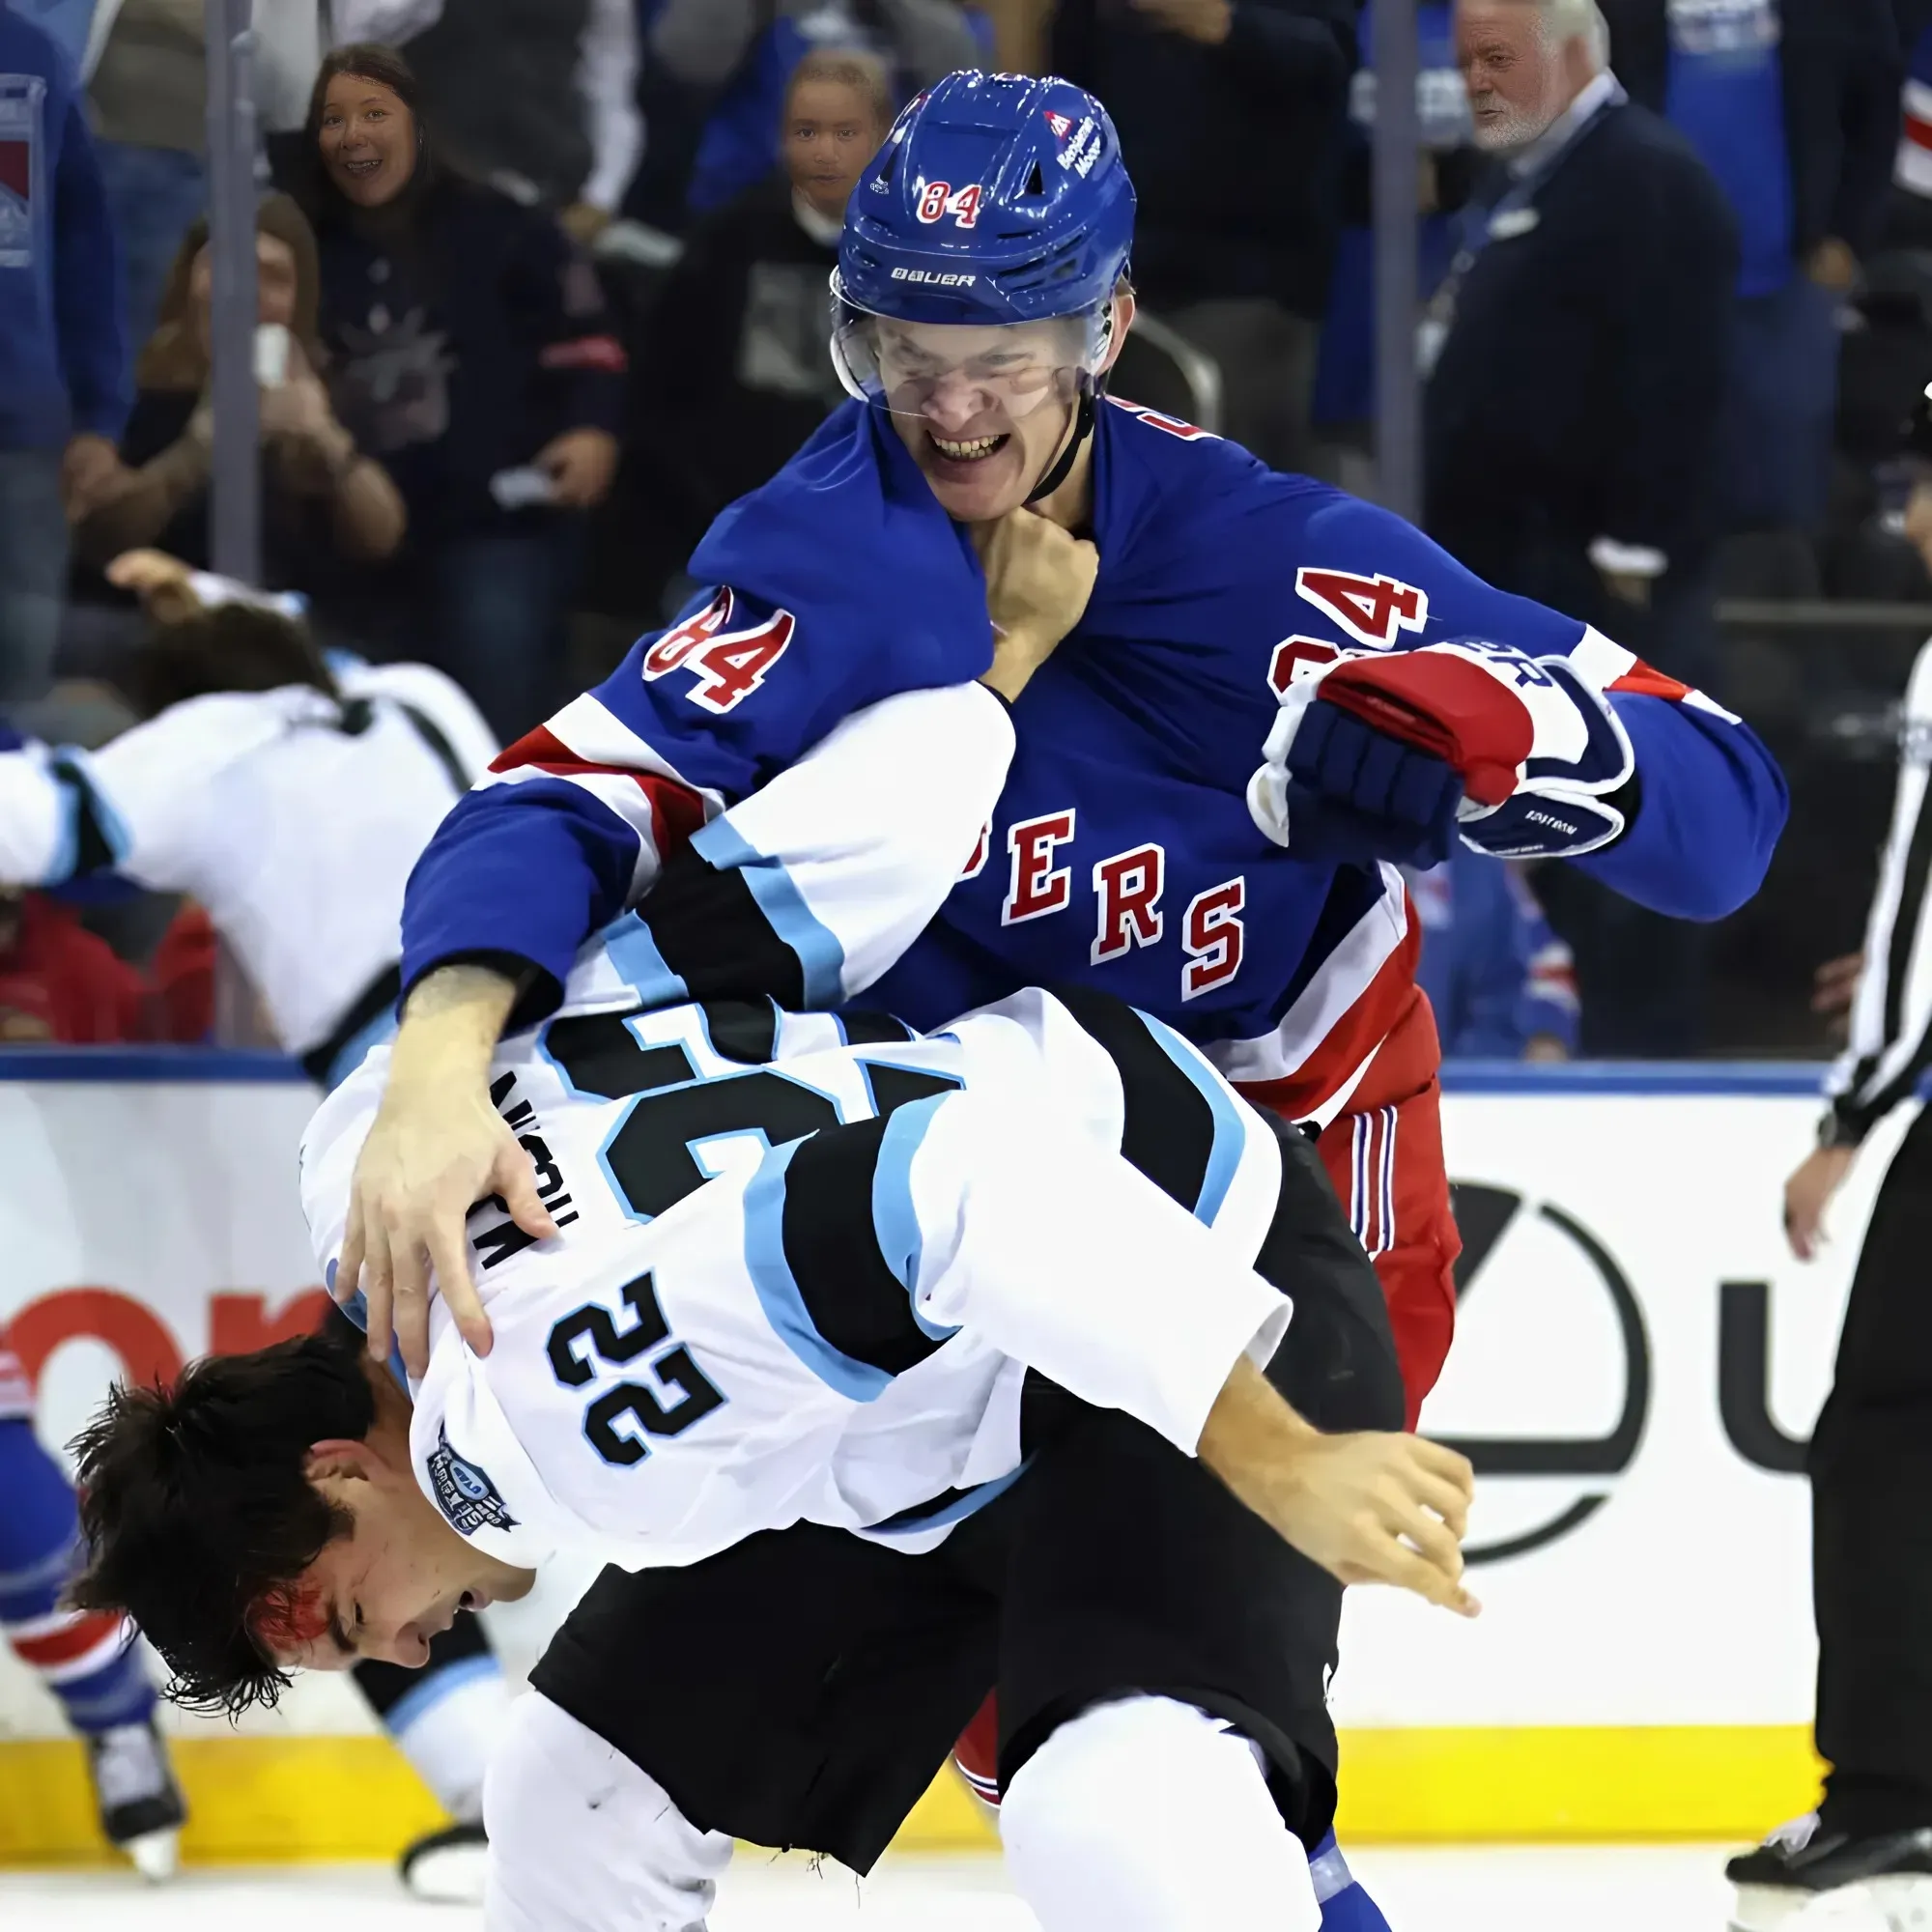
x=590, y=747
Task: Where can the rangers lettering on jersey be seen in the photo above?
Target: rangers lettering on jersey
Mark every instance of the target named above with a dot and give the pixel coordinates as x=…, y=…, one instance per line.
x=1219, y=582
x=1037, y=887
x=1128, y=887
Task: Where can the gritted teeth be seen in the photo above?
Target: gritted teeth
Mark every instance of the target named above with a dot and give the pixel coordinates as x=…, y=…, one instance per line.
x=966, y=452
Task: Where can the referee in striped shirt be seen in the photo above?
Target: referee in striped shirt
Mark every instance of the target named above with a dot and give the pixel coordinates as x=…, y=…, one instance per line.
x=1870, y=1460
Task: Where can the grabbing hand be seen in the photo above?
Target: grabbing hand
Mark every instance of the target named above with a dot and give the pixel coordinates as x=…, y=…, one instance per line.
x=431, y=1155
x=1039, y=579
x=436, y=1148
x=1809, y=1193
x=580, y=465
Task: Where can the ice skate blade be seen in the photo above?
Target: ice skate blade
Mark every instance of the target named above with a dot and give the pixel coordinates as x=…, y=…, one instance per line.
x=449, y=1875
x=156, y=1855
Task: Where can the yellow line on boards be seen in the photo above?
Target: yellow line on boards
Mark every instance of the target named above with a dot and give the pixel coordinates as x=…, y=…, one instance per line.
x=260, y=1800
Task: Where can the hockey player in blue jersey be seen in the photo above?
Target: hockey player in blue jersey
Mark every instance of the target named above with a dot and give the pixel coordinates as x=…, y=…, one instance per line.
x=1265, y=696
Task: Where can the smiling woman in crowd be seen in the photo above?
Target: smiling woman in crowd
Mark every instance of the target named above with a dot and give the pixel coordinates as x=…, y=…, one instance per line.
x=471, y=348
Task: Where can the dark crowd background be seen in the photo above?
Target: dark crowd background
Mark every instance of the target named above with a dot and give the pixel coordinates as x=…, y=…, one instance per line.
x=544, y=288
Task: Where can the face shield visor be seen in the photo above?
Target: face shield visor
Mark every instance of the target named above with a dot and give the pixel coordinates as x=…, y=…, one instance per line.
x=968, y=380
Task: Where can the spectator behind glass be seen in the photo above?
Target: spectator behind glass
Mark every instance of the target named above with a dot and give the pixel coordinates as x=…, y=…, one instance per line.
x=148, y=100
x=62, y=363
x=735, y=57
x=324, y=501
x=1794, y=107
x=537, y=98
x=1501, y=984
x=1230, y=115
x=1345, y=381
x=1572, y=420
x=738, y=375
x=472, y=350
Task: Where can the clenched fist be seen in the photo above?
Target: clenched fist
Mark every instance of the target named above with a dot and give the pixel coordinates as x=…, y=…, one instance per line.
x=1038, y=578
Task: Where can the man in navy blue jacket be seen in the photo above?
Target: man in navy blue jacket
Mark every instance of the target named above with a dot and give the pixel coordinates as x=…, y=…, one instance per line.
x=1573, y=411
x=1794, y=105
x=63, y=361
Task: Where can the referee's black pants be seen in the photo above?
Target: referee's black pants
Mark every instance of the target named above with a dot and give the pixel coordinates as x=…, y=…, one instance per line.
x=1871, y=1539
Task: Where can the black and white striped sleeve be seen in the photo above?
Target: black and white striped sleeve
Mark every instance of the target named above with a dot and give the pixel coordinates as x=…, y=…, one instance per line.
x=1891, y=1043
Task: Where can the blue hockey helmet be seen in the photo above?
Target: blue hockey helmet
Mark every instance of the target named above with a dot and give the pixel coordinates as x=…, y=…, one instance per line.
x=997, y=199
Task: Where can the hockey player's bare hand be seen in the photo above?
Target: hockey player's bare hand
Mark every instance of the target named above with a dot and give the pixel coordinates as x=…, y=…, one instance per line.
x=1039, y=579
x=1369, y=1508
x=1809, y=1193
x=1381, y=1509
x=437, y=1146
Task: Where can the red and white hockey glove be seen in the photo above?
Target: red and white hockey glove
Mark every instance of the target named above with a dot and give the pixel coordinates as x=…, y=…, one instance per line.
x=1363, y=750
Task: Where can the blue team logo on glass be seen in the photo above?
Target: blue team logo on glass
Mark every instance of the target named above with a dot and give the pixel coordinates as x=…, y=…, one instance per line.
x=465, y=1492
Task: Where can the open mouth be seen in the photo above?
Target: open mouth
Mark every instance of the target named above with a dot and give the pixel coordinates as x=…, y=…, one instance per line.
x=361, y=170
x=973, y=449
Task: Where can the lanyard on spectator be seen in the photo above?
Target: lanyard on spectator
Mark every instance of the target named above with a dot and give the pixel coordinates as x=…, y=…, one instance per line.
x=1496, y=221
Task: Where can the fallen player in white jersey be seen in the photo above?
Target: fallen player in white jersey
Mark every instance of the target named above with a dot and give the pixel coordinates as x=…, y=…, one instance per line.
x=977, y=1299
x=917, y=1383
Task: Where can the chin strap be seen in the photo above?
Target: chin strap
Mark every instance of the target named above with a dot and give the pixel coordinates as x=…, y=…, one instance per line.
x=1083, y=428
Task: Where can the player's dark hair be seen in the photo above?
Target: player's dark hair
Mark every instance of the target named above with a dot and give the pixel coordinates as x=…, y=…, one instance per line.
x=237, y=646
x=366, y=60
x=198, y=1515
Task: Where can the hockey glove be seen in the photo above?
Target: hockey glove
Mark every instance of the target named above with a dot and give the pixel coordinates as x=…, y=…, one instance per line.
x=1532, y=749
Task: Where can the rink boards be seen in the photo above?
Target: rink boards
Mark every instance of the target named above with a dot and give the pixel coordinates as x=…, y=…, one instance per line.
x=1638, y=1364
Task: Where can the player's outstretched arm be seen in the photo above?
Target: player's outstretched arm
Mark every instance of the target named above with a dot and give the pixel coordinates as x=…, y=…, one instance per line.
x=1369, y=1508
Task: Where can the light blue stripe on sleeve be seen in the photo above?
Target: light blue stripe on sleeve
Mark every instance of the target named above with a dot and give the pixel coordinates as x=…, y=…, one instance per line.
x=1231, y=1136
x=895, y=1218
x=634, y=952
x=821, y=956
x=777, y=1293
x=956, y=1511
x=82, y=794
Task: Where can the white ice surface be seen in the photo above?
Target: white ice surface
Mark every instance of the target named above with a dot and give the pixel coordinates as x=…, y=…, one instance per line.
x=1679, y=1889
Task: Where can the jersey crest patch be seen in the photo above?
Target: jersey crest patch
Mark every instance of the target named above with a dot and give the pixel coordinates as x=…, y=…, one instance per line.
x=465, y=1492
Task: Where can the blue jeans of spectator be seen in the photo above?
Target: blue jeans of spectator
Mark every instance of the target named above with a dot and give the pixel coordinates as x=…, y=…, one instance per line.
x=499, y=601
x=153, y=195
x=32, y=571
x=1779, y=417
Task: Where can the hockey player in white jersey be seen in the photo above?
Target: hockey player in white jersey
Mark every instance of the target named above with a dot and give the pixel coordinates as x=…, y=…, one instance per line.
x=290, y=798
x=887, y=1365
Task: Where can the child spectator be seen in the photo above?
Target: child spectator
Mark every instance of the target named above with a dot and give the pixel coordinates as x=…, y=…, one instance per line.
x=737, y=57
x=737, y=374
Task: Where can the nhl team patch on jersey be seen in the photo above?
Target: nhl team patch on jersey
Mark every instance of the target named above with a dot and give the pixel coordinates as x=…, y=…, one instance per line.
x=464, y=1493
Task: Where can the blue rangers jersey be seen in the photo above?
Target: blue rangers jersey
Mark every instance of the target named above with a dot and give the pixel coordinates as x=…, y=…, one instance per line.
x=804, y=1261
x=1122, y=853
